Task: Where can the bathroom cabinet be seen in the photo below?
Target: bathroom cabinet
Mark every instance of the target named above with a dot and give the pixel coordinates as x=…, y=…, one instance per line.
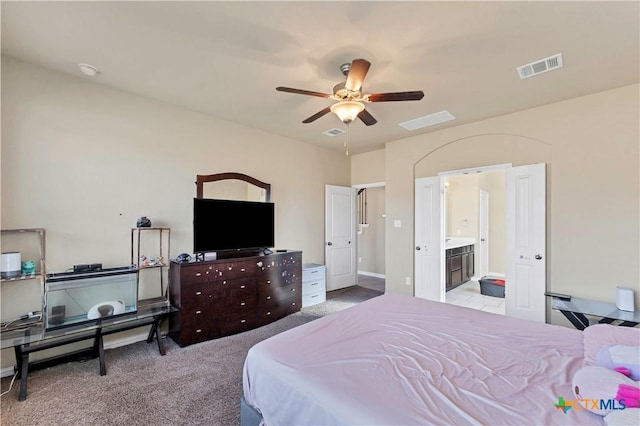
x=459, y=266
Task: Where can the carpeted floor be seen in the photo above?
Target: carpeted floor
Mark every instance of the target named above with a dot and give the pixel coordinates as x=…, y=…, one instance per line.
x=198, y=384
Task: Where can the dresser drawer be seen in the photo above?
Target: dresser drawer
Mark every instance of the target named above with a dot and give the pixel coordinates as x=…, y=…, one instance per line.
x=313, y=298
x=195, y=296
x=282, y=292
x=235, y=305
x=235, y=287
x=276, y=309
x=237, y=270
x=237, y=323
x=196, y=274
x=309, y=287
x=313, y=272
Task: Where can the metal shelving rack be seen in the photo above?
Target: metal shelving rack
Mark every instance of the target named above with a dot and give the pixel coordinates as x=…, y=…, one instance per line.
x=164, y=263
x=39, y=274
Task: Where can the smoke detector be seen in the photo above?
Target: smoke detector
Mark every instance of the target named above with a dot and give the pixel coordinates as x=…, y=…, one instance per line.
x=538, y=67
x=88, y=69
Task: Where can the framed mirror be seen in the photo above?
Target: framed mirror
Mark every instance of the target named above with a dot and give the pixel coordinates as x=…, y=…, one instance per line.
x=232, y=186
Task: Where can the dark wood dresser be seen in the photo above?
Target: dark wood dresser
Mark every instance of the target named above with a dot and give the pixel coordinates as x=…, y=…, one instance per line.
x=226, y=296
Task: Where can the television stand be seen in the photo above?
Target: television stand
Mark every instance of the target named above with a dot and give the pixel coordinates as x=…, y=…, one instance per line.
x=233, y=293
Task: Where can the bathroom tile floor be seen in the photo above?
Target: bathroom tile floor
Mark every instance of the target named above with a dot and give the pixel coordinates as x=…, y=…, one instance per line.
x=468, y=295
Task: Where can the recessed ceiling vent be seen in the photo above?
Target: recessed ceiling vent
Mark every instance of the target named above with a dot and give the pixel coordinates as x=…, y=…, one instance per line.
x=547, y=64
x=427, y=120
x=333, y=132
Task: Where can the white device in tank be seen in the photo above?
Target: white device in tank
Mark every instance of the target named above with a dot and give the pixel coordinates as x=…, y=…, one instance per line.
x=624, y=299
x=11, y=264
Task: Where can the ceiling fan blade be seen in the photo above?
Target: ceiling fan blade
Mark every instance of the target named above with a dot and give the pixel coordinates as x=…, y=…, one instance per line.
x=302, y=92
x=397, y=96
x=367, y=118
x=357, y=72
x=317, y=115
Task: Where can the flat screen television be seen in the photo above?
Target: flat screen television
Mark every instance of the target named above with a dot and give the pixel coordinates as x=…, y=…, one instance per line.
x=220, y=225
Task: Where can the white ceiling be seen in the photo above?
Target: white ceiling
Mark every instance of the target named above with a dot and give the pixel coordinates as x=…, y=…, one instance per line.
x=226, y=58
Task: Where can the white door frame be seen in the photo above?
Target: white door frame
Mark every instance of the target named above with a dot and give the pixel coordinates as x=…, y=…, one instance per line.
x=483, y=234
x=384, y=228
x=468, y=171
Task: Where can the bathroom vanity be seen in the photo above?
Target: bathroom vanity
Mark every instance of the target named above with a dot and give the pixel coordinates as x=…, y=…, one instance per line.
x=459, y=261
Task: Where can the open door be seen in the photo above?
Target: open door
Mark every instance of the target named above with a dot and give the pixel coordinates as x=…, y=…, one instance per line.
x=340, y=236
x=429, y=239
x=525, y=204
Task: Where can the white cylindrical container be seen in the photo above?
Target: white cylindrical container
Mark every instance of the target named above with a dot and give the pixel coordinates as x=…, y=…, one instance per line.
x=11, y=264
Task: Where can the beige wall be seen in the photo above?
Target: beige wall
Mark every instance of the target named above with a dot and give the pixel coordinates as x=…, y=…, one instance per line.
x=371, y=240
x=368, y=167
x=591, y=147
x=84, y=162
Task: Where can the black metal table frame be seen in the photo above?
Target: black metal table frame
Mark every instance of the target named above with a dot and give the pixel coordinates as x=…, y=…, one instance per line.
x=23, y=351
x=580, y=321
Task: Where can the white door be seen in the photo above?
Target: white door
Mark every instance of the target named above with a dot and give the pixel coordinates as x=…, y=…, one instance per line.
x=484, y=235
x=340, y=236
x=429, y=239
x=525, y=274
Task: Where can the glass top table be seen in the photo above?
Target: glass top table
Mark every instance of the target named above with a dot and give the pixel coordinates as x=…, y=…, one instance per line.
x=38, y=334
x=36, y=338
x=575, y=309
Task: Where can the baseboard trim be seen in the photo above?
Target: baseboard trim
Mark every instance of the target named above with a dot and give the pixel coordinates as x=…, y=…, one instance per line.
x=7, y=371
x=372, y=274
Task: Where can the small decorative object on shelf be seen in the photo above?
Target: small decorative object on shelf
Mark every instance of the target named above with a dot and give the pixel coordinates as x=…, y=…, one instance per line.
x=28, y=267
x=143, y=222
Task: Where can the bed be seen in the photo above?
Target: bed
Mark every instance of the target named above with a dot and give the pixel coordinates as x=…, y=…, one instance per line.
x=400, y=360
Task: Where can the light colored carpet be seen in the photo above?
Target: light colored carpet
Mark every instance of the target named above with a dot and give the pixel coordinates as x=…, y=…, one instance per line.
x=198, y=384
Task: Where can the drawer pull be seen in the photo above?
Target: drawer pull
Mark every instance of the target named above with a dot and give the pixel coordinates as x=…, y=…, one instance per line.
x=243, y=286
x=269, y=313
x=315, y=295
x=242, y=269
x=314, y=272
x=198, y=293
x=224, y=282
x=293, y=289
x=268, y=281
x=243, y=304
x=268, y=297
x=243, y=321
x=315, y=283
x=199, y=274
x=293, y=304
x=259, y=263
x=198, y=312
x=199, y=330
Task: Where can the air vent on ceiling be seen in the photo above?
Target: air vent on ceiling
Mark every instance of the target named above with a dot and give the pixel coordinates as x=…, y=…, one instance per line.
x=427, y=120
x=538, y=67
x=333, y=132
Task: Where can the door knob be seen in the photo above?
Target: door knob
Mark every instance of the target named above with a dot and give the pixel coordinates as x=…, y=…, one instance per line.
x=538, y=257
x=417, y=247
x=349, y=242
x=329, y=243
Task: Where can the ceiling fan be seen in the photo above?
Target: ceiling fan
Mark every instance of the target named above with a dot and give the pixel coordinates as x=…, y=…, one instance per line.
x=350, y=97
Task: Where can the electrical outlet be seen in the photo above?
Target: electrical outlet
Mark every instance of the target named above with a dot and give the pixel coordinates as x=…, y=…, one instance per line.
x=407, y=280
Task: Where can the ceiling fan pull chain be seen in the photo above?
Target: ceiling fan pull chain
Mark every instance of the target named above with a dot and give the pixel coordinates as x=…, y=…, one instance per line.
x=346, y=140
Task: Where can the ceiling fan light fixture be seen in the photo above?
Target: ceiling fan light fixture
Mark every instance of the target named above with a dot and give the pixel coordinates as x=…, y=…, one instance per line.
x=347, y=111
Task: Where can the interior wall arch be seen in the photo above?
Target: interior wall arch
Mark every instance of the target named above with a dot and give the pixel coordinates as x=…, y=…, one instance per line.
x=483, y=150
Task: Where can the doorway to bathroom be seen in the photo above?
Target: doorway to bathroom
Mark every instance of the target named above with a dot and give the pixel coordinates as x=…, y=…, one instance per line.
x=525, y=238
x=474, y=240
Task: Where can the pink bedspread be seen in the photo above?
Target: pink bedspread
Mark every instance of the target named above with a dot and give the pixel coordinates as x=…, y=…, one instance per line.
x=407, y=361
